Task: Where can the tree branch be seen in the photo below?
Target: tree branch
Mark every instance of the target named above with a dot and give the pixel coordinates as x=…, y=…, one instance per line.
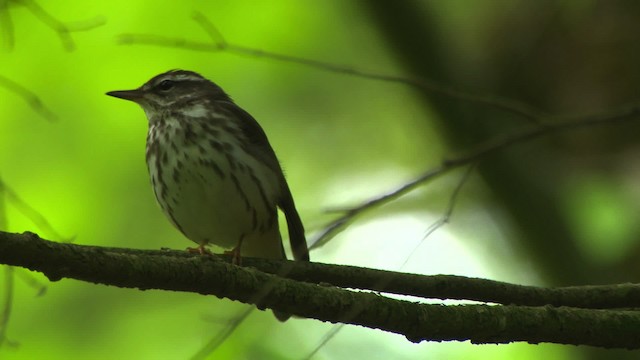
x=550, y=125
x=220, y=44
x=31, y=98
x=213, y=275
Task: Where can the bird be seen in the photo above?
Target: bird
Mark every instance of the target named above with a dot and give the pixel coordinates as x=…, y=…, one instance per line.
x=213, y=171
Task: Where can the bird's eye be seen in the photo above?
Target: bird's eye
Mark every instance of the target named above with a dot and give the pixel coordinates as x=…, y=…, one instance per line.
x=166, y=85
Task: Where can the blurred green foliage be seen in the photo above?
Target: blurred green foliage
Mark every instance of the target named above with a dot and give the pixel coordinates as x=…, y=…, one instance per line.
x=341, y=140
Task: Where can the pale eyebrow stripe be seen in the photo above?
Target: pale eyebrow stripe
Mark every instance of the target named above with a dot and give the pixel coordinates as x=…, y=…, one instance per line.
x=177, y=77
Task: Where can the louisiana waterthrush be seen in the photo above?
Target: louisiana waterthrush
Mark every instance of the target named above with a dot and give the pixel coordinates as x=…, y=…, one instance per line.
x=213, y=171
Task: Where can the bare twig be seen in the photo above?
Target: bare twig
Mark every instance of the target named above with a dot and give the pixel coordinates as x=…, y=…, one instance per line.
x=32, y=214
x=31, y=281
x=7, y=304
x=219, y=44
x=551, y=125
x=6, y=25
x=446, y=217
x=7, y=300
x=223, y=335
x=32, y=99
x=63, y=29
x=335, y=329
x=39, y=220
x=336, y=226
x=3, y=206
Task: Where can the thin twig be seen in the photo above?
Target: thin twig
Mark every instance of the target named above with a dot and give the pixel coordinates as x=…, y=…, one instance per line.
x=214, y=34
x=62, y=29
x=7, y=300
x=335, y=329
x=10, y=273
x=336, y=226
x=3, y=206
x=32, y=99
x=7, y=305
x=6, y=25
x=218, y=44
x=223, y=335
x=446, y=217
x=551, y=125
x=31, y=281
x=234, y=323
x=53, y=23
x=32, y=214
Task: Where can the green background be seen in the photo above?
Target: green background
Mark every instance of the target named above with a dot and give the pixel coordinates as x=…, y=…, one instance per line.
x=559, y=211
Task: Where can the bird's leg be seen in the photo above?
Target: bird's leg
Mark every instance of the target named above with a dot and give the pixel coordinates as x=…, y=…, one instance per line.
x=201, y=249
x=235, y=253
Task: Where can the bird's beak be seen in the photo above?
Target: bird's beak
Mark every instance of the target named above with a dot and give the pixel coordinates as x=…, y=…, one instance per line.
x=132, y=95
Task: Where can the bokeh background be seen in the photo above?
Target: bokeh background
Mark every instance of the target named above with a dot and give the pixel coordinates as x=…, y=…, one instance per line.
x=561, y=210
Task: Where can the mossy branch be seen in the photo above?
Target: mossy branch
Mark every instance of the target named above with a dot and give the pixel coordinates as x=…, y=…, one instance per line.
x=318, y=291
